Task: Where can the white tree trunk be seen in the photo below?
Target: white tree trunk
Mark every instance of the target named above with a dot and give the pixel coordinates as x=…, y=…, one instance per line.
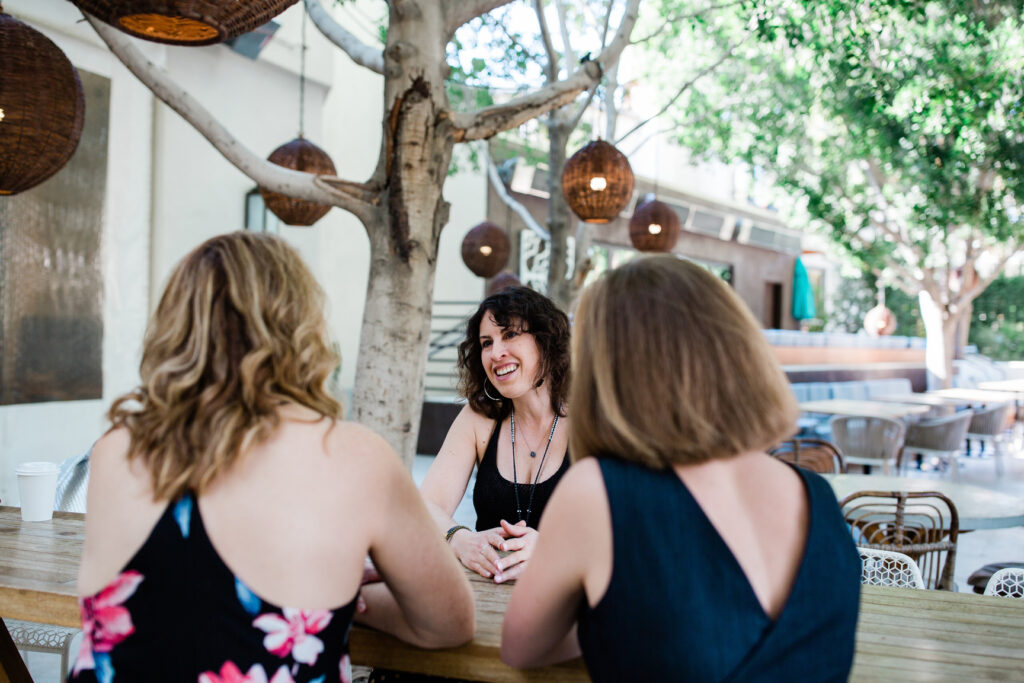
x=405, y=232
x=392, y=357
x=940, y=336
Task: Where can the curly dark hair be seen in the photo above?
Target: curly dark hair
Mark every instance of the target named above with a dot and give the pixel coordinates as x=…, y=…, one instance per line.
x=525, y=309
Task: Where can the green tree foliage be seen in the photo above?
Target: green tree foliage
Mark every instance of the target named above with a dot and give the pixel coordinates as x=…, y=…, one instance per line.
x=896, y=125
x=997, y=326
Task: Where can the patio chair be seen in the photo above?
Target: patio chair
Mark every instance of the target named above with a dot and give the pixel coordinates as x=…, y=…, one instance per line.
x=942, y=437
x=1007, y=583
x=816, y=455
x=28, y=636
x=988, y=426
x=923, y=525
x=868, y=441
x=888, y=568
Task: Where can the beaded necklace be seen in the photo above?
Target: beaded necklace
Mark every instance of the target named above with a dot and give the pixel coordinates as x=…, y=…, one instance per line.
x=536, y=477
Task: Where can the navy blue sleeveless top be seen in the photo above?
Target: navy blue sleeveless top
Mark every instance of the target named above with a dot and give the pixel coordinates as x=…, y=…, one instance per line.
x=494, y=496
x=177, y=613
x=680, y=608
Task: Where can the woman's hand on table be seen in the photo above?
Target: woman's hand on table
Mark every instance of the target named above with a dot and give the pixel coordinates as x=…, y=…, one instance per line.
x=477, y=550
x=519, y=544
x=370, y=575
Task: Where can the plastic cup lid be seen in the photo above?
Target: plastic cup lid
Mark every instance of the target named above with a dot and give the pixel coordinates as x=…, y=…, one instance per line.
x=31, y=468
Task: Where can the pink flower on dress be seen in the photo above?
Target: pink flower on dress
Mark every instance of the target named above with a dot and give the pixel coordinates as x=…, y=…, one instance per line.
x=230, y=673
x=105, y=623
x=292, y=633
x=345, y=669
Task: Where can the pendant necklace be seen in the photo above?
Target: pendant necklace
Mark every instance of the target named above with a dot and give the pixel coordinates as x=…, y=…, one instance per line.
x=536, y=477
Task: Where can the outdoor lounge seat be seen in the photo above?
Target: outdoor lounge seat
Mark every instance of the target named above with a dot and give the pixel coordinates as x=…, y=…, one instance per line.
x=816, y=455
x=942, y=437
x=988, y=426
x=868, y=441
x=889, y=568
x=923, y=525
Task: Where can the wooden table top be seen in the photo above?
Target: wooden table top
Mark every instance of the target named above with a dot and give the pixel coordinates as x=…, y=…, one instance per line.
x=977, y=507
x=980, y=397
x=1015, y=386
x=925, y=399
x=902, y=633
x=845, y=406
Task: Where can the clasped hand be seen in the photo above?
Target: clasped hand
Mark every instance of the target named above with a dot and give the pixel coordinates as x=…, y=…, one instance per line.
x=478, y=551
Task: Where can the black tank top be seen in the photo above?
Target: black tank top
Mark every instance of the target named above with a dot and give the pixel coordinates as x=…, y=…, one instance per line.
x=494, y=496
x=680, y=608
x=177, y=613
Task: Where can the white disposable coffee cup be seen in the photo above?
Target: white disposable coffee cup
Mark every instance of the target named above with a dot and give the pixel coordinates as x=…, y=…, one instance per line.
x=37, y=486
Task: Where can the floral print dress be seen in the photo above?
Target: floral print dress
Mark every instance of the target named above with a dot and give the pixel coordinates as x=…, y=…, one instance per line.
x=177, y=613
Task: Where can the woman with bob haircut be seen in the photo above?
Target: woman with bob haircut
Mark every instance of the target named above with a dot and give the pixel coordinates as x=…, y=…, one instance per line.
x=514, y=373
x=676, y=548
x=230, y=510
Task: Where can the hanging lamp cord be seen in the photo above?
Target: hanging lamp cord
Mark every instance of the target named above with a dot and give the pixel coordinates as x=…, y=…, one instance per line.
x=302, y=77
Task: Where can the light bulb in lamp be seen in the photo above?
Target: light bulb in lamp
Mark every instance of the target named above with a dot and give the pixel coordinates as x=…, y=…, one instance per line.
x=486, y=250
x=1, y=114
x=598, y=183
x=654, y=229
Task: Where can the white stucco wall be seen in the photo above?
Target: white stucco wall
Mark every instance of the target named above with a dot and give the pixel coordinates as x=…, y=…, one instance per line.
x=168, y=190
x=55, y=431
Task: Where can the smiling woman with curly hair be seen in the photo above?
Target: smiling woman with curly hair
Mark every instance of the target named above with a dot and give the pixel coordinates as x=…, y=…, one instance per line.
x=514, y=374
x=231, y=511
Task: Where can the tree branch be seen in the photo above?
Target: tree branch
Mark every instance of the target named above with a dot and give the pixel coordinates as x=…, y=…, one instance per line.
x=357, y=198
x=509, y=200
x=676, y=18
x=360, y=53
x=686, y=86
x=458, y=12
x=486, y=123
x=551, y=68
x=563, y=27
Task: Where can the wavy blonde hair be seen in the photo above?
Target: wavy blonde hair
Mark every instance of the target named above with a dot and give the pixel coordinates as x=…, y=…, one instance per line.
x=669, y=367
x=239, y=331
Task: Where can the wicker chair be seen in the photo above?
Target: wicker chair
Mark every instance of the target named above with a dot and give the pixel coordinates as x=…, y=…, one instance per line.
x=868, y=440
x=1007, y=583
x=988, y=426
x=943, y=437
x=888, y=568
x=923, y=525
x=816, y=455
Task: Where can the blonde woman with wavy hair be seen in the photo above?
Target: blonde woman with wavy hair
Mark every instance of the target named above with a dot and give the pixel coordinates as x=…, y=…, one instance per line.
x=231, y=510
x=675, y=548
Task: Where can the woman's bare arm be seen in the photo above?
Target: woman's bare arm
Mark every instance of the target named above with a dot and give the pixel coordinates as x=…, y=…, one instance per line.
x=572, y=559
x=425, y=598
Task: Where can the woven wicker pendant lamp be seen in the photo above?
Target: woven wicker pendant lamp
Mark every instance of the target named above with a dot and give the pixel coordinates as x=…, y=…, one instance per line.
x=597, y=182
x=485, y=249
x=185, y=22
x=654, y=226
x=42, y=107
x=299, y=155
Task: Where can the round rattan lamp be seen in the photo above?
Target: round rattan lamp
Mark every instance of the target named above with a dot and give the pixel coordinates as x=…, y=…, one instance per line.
x=185, y=22
x=879, y=321
x=654, y=227
x=485, y=249
x=501, y=282
x=597, y=182
x=299, y=155
x=42, y=107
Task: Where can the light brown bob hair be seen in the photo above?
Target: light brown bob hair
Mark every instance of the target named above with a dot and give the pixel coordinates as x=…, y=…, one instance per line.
x=670, y=368
x=239, y=331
